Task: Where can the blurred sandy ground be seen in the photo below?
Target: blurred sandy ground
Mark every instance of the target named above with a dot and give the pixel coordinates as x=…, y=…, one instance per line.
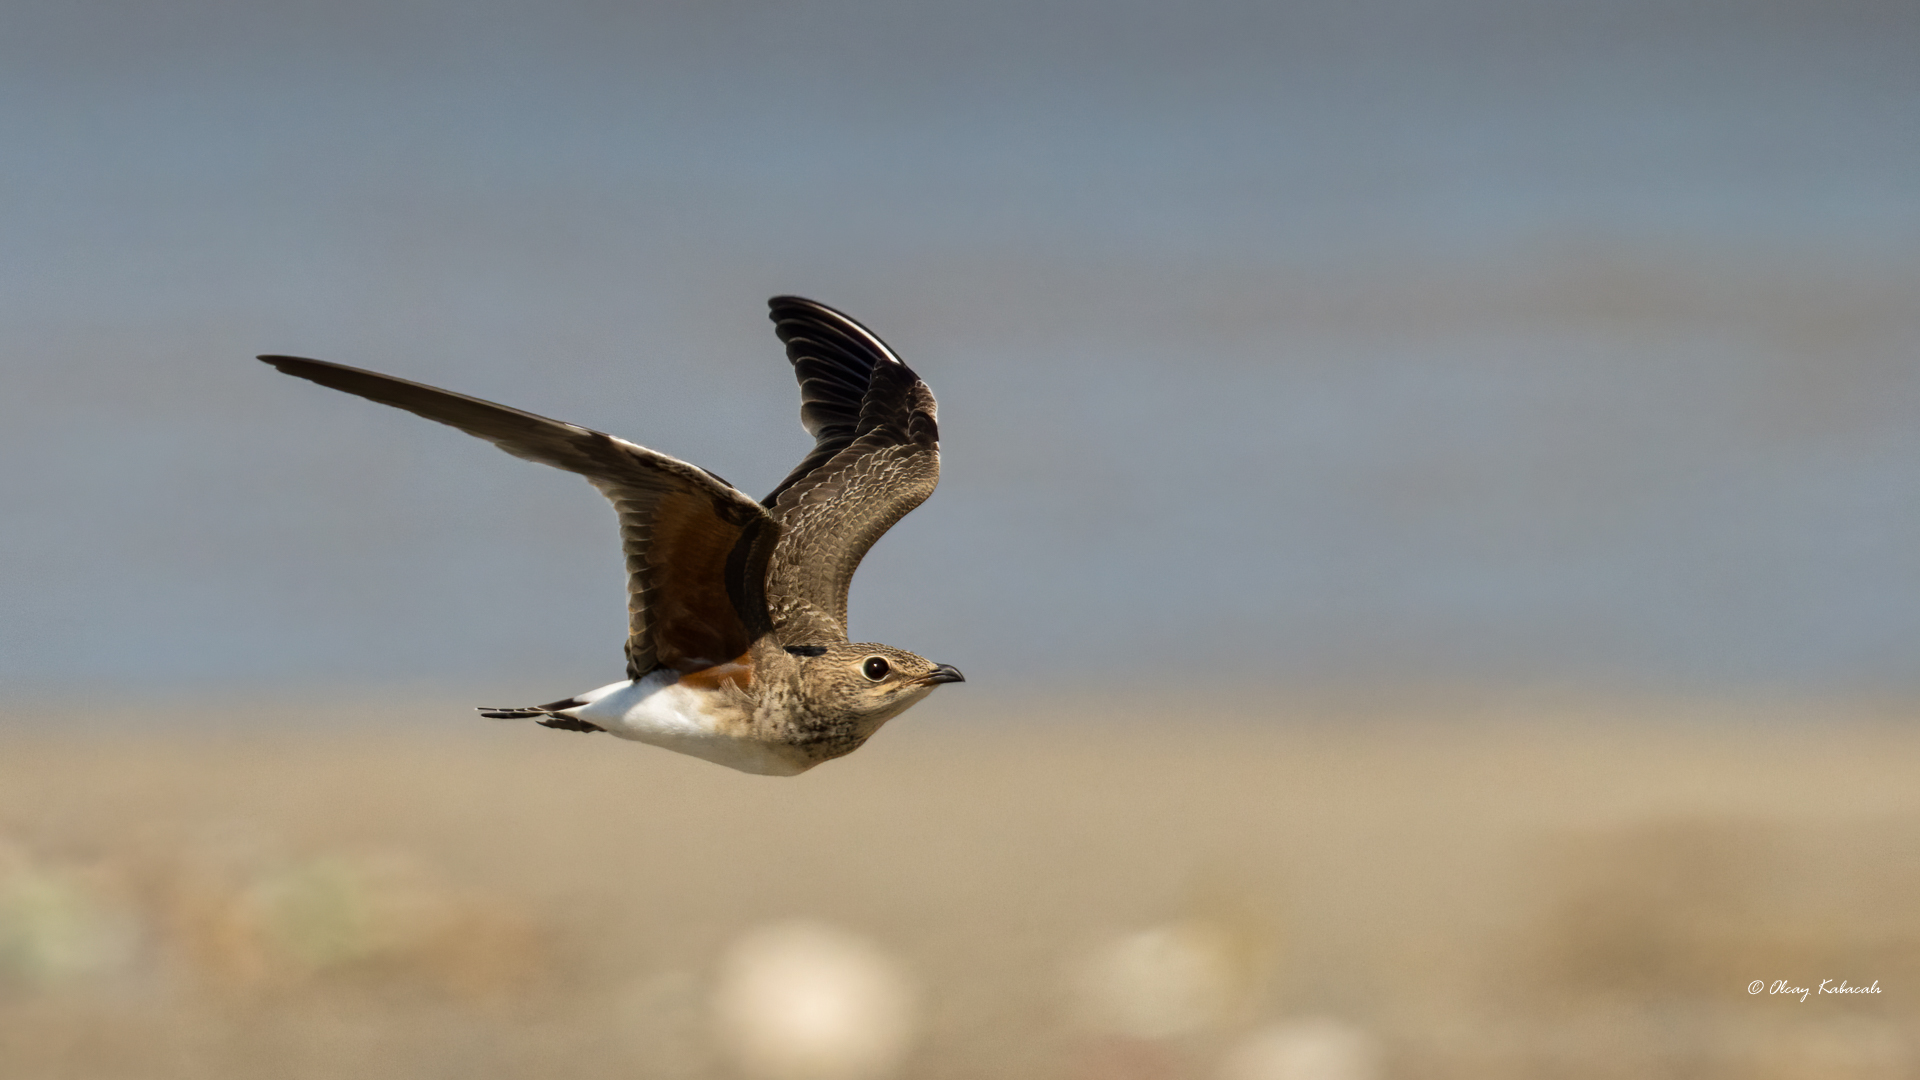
x=1251, y=890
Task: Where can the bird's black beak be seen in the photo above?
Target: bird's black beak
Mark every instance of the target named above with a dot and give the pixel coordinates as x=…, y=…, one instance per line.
x=943, y=673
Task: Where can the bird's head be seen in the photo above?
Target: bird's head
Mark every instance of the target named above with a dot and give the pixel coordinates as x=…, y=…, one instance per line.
x=865, y=683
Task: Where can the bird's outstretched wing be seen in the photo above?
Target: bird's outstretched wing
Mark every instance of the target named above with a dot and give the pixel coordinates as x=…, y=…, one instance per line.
x=696, y=547
x=876, y=456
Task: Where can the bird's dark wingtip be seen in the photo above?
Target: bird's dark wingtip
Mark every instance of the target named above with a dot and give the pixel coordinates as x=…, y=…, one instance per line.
x=787, y=302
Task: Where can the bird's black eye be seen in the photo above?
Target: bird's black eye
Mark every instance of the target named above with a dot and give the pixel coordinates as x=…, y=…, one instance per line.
x=875, y=668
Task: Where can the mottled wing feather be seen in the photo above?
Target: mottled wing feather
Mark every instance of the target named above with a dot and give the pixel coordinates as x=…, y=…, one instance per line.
x=876, y=456
x=833, y=358
x=696, y=548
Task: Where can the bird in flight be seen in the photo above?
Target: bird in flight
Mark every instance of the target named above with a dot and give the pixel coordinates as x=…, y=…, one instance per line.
x=737, y=647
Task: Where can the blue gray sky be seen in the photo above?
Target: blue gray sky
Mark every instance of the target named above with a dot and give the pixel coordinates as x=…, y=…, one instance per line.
x=1351, y=343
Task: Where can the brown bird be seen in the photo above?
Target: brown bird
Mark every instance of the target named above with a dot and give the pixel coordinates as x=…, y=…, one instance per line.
x=737, y=647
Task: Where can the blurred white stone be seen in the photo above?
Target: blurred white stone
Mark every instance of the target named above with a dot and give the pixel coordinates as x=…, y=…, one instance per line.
x=1159, y=983
x=1318, y=1048
x=804, y=1001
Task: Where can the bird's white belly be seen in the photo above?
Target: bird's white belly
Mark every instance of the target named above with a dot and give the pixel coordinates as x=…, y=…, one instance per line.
x=659, y=710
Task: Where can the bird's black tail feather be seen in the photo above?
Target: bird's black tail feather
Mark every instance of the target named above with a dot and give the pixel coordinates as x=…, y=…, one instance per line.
x=547, y=715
